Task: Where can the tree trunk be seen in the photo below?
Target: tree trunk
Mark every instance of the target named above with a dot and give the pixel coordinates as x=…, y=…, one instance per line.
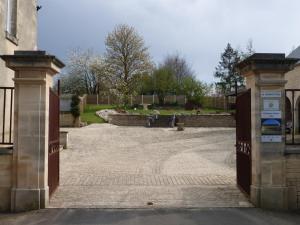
x=161, y=99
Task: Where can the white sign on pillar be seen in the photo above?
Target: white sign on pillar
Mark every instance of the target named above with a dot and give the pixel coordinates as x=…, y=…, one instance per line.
x=271, y=117
x=271, y=105
x=271, y=94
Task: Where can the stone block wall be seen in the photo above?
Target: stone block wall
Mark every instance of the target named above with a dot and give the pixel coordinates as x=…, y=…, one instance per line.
x=293, y=174
x=128, y=120
x=66, y=119
x=209, y=120
x=5, y=180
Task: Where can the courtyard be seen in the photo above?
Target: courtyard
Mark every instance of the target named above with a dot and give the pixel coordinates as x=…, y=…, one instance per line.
x=107, y=166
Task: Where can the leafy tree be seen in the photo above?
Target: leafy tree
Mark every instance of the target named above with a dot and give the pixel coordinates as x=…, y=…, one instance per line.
x=127, y=58
x=174, y=76
x=164, y=82
x=194, y=90
x=146, y=84
x=226, y=70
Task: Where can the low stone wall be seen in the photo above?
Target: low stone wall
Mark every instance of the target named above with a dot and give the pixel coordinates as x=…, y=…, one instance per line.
x=209, y=120
x=128, y=120
x=5, y=180
x=66, y=119
x=293, y=177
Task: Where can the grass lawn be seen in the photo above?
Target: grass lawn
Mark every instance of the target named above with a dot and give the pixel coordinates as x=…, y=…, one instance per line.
x=89, y=116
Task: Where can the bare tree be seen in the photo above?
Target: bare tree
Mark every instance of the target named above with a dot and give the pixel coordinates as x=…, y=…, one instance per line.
x=249, y=50
x=179, y=67
x=127, y=57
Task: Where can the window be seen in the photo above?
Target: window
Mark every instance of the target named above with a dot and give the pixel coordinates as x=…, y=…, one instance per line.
x=11, y=19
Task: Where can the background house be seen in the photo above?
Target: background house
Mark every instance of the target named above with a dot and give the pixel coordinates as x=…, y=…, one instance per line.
x=293, y=97
x=293, y=77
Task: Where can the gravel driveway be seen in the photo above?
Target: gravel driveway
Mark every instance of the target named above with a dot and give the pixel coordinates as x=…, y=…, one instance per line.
x=107, y=166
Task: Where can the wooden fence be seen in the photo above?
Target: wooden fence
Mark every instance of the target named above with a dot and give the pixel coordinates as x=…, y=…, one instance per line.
x=138, y=100
x=215, y=102
x=212, y=102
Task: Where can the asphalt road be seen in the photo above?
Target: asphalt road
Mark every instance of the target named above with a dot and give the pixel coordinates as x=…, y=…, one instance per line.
x=204, y=216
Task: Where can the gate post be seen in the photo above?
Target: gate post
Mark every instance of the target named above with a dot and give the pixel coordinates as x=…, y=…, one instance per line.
x=264, y=74
x=33, y=78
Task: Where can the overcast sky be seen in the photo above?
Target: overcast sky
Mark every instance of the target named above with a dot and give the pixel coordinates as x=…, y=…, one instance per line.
x=197, y=29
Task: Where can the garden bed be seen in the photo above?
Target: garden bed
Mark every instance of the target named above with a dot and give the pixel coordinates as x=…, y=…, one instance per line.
x=139, y=117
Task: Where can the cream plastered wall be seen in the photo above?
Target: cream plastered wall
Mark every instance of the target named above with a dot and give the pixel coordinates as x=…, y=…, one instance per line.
x=26, y=34
x=26, y=39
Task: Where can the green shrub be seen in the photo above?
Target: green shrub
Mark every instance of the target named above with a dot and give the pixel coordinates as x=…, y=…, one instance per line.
x=136, y=106
x=75, y=109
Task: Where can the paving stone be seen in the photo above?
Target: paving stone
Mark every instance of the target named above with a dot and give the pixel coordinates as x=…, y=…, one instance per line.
x=126, y=167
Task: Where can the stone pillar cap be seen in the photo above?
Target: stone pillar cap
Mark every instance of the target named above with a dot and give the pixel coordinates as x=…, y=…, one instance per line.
x=32, y=59
x=267, y=62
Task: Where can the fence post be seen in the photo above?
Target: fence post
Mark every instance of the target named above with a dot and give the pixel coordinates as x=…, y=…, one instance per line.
x=153, y=99
x=142, y=99
x=215, y=102
x=131, y=100
x=33, y=78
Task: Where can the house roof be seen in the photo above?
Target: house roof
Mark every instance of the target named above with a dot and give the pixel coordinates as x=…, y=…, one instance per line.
x=295, y=54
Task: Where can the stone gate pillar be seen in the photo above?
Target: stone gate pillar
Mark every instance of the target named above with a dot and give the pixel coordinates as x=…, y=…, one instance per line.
x=264, y=74
x=33, y=78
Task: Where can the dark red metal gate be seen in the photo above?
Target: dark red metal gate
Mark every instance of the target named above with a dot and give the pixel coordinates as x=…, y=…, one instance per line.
x=243, y=141
x=53, y=155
